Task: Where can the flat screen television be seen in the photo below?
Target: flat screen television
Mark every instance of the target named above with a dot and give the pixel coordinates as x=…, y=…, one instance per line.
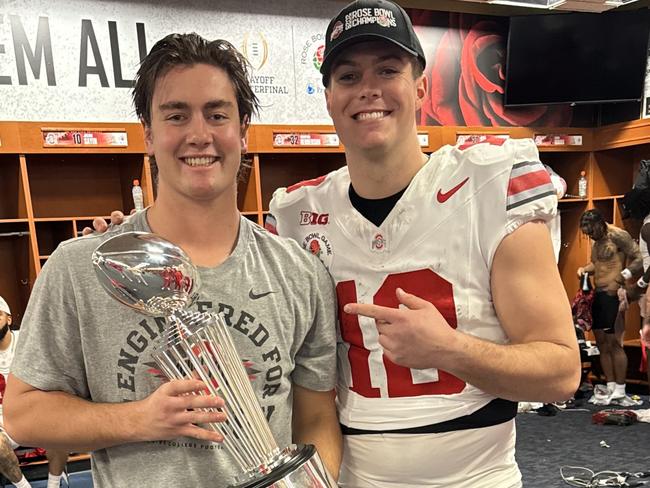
x=576, y=58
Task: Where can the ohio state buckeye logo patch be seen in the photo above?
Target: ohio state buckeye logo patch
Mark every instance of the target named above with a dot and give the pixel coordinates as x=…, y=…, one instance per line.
x=378, y=243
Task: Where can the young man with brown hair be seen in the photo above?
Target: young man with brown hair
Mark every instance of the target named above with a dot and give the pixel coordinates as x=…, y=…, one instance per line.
x=83, y=374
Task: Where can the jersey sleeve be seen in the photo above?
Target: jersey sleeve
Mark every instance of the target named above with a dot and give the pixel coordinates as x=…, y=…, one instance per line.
x=49, y=353
x=286, y=204
x=530, y=195
x=520, y=192
x=280, y=207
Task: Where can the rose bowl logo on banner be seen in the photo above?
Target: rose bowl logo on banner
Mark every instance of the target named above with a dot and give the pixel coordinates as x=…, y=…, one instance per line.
x=318, y=56
x=255, y=49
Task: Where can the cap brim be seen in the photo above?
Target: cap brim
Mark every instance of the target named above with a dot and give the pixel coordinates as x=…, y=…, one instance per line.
x=356, y=39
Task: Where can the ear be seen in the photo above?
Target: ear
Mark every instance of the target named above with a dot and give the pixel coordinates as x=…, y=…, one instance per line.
x=243, y=134
x=9, y=320
x=148, y=138
x=421, y=88
x=328, y=95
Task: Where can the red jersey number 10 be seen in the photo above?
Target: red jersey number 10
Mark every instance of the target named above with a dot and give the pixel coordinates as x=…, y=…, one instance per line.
x=423, y=283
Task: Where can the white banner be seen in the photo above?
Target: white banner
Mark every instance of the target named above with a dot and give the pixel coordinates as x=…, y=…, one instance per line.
x=75, y=60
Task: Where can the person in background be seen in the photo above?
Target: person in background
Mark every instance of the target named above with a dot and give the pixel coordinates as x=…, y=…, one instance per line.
x=9, y=465
x=636, y=203
x=615, y=260
x=83, y=376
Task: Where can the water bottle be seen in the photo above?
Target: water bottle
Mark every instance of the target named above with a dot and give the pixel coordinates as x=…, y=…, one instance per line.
x=138, y=198
x=586, y=283
x=582, y=185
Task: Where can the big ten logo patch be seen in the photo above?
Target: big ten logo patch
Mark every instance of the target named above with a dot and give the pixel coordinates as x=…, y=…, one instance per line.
x=313, y=218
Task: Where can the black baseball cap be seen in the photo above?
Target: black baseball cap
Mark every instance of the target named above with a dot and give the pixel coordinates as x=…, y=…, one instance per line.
x=366, y=20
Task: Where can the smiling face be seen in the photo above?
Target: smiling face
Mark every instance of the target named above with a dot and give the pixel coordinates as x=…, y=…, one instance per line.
x=195, y=134
x=372, y=96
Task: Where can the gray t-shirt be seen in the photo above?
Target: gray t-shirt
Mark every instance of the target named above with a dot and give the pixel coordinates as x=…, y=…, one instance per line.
x=76, y=338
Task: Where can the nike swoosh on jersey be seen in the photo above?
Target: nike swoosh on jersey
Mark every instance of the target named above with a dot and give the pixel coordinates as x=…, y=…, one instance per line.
x=254, y=296
x=443, y=197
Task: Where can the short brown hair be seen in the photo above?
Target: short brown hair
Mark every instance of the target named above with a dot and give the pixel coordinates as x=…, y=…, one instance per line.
x=187, y=50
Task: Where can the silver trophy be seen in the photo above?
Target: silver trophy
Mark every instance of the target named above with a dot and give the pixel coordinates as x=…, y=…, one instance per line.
x=156, y=277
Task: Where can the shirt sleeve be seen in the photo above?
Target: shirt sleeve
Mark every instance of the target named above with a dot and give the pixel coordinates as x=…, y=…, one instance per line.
x=315, y=362
x=49, y=353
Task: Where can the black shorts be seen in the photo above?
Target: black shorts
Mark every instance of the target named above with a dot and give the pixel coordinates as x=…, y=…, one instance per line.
x=604, y=311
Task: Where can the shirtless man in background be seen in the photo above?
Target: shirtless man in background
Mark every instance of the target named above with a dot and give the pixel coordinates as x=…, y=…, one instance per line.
x=612, y=250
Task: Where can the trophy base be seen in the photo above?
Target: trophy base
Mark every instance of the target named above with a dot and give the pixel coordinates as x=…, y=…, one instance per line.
x=299, y=465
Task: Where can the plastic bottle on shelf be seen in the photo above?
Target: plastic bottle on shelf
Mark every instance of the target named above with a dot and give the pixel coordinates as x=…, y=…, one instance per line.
x=138, y=198
x=582, y=185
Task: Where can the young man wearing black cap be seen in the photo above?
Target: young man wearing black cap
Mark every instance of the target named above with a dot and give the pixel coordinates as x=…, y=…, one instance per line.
x=444, y=322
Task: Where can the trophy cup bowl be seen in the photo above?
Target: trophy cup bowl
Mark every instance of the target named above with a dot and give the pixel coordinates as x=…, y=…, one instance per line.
x=153, y=276
x=147, y=273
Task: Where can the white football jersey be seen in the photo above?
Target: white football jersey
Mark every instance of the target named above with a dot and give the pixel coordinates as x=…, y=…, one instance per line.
x=438, y=243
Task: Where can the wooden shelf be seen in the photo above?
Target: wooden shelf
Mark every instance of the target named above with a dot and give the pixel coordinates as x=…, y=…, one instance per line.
x=52, y=193
x=610, y=198
x=623, y=135
x=573, y=200
x=12, y=221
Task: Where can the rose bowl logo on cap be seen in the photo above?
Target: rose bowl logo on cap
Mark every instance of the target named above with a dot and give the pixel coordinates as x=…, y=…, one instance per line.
x=336, y=31
x=383, y=21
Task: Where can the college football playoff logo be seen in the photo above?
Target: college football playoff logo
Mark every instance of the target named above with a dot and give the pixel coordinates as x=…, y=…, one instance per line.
x=255, y=49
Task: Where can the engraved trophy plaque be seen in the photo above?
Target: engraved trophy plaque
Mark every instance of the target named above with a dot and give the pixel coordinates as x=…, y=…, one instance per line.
x=155, y=277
